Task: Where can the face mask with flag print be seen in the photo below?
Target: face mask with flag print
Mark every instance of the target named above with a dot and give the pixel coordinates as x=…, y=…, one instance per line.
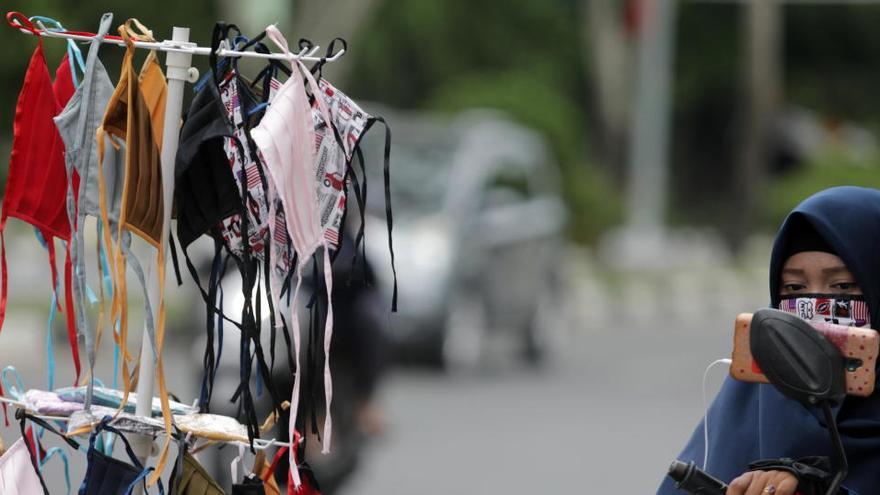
x=839, y=309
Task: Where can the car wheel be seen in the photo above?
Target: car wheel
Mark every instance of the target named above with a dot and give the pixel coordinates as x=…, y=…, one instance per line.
x=466, y=333
x=543, y=336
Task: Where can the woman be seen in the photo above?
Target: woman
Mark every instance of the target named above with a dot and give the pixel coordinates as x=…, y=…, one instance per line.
x=829, y=245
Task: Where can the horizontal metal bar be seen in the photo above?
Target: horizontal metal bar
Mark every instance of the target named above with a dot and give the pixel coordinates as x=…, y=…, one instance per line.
x=306, y=54
x=259, y=443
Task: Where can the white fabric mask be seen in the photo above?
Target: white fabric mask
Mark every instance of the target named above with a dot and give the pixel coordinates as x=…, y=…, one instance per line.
x=17, y=475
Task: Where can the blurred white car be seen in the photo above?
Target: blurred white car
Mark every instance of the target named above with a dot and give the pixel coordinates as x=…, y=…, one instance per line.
x=478, y=230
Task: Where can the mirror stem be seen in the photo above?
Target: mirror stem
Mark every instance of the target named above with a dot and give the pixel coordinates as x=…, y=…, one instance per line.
x=839, y=463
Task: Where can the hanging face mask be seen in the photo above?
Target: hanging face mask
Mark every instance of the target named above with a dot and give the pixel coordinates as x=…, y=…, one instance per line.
x=37, y=181
x=135, y=115
x=839, y=309
x=250, y=484
x=190, y=478
x=17, y=474
x=286, y=138
x=37, y=177
x=108, y=476
x=206, y=193
x=77, y=124
x=220, y=190
x=262, y=480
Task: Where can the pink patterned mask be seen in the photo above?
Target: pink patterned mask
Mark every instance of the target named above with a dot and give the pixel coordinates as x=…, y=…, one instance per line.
x=286, y=140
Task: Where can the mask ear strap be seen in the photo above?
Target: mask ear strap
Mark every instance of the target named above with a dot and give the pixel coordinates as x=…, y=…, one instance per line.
x=74, y=54
x=17, y=20
x=141, y=478
x=275, y=35
x=32, y=453
x=48, y=427
x=386, y=176
x=220, y=33
x=142, y=34
x=23, y=417
x=104, y=425
x=63, y=456
x=55, y=26
x=18, y=390
x=389, y=219
x=330, y=53
x=124, y=32
x=267, y=475
x=274, y=65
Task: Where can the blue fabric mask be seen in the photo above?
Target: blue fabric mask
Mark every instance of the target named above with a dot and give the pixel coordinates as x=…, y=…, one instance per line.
x=106, y=475
x=751, y=421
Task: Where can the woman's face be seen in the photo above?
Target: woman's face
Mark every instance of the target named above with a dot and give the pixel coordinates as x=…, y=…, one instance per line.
x=817, y=272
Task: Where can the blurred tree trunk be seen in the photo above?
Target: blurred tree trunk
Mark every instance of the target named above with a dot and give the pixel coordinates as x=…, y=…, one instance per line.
x=318, y=20
x=253, y=17
x=323, y=20
x=609, y=58
x=762, y=88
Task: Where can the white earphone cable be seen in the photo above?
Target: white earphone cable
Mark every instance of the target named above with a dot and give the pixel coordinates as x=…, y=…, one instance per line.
x=706, y=410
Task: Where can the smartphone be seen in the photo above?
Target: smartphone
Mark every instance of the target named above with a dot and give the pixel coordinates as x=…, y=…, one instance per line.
x=859, y=347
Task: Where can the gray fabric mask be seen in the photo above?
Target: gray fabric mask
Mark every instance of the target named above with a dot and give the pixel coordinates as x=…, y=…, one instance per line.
x=77, y=125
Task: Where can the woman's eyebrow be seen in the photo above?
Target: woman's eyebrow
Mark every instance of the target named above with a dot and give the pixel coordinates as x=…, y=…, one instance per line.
x=793, y=271
x=835, y=269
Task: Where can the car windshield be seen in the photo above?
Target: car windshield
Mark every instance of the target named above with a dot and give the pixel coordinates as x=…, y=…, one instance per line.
x=420, y=169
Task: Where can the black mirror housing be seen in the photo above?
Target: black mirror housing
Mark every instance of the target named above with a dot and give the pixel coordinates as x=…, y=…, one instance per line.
x=796, y=358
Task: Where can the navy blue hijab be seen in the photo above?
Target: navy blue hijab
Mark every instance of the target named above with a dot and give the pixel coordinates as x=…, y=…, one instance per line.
x=751, y=421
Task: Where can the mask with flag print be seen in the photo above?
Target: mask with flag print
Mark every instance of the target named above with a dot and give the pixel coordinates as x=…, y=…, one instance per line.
x=839, y=309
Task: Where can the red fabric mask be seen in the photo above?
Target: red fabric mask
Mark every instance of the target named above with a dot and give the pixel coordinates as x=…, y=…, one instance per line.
x=37, y=185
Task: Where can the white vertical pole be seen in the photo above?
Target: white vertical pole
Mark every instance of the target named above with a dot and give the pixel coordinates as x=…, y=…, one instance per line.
x=178, y=73
x=649, y=144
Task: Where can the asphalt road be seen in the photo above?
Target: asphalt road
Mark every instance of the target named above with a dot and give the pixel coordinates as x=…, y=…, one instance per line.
x=607, y=417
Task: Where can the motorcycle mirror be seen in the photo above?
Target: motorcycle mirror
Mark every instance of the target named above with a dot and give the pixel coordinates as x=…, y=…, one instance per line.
x=796, y=358
x=803, y=366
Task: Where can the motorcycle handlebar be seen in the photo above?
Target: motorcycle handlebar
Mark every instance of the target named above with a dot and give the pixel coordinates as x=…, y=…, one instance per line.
x=694, y=480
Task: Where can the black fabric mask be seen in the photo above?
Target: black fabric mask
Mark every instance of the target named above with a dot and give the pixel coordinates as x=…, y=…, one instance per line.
x=205, y=191
x=249, y=486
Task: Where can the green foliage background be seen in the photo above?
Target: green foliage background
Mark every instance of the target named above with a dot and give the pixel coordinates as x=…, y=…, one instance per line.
x=529, y=59
x=520, y=56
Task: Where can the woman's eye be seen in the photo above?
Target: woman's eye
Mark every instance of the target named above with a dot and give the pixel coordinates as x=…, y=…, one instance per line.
x=845, y=286
x=793, y=287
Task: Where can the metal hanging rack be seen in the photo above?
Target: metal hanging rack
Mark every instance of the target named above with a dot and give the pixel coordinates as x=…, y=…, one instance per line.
x=179, y=71
x=306, y=54
x=259, y=443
